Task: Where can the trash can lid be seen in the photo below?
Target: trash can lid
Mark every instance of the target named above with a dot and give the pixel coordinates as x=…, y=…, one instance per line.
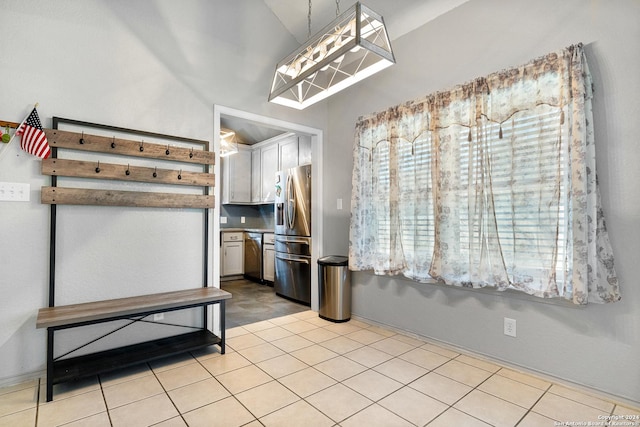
x=333, y=260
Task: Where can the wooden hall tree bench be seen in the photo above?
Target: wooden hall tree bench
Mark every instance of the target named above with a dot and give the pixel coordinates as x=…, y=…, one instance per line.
x=99, y=170
x=134, y=309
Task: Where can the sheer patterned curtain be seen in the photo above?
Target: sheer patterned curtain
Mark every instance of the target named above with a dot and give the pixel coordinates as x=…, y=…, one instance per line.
x=489, y=184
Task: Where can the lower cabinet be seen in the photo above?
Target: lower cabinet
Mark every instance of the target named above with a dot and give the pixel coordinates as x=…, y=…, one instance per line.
x=232, y=254
x=268, y=257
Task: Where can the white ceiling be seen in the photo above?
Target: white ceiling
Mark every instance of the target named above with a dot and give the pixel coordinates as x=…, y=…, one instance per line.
x=400, y=16
x=249, y=132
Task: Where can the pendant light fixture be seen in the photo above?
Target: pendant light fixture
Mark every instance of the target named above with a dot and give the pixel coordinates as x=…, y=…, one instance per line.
x=352, y=47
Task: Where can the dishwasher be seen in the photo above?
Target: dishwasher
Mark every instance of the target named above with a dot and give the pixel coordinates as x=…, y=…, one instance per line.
x=253, y=256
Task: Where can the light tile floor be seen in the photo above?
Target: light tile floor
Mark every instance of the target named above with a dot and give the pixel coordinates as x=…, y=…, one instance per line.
x=300, y=370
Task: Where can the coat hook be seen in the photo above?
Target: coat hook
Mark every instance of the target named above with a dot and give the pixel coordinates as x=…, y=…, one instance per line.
x=142, y=146
x=113, y=142
x=127, y=172
x=167, y=152
x=82, y=139
x=155, y=172
x=180, y=174
x=98, y=168
x=191, y=153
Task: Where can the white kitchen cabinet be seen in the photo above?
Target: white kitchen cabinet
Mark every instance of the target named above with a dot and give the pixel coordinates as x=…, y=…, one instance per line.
x=288, y=151
x=256, y=176
x=268, y=257
x=236, y=176
x=248, y=177
x=264, y=164
x=232, y=254
x=304, y=149
x=269, y=162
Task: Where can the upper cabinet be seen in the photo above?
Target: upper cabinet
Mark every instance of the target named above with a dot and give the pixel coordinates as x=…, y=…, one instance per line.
x=236, y=177
x=288, y=152
x=256, y=176
x=264, y=165
x=269, y=163
x=294, y=151
x=248, y=177
x=304, y=150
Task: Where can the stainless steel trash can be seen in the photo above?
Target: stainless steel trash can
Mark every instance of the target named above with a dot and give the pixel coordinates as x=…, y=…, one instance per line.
x=334, y=281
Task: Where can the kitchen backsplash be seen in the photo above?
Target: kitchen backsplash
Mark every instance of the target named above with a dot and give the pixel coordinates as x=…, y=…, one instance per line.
x=259, y=216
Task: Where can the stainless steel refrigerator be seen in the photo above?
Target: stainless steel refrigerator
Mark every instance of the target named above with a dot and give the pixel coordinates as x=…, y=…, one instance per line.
x=293, y=234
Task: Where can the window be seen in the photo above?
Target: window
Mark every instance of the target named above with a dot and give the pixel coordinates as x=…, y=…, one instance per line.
x=486, y=185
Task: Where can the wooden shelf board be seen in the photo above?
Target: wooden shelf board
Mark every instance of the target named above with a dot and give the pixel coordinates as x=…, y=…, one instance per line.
x=86, y=196
x=110, y=171
x=104, y=144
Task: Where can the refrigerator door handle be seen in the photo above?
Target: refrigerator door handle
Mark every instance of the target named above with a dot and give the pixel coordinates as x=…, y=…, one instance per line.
x=291, y=203
x=301, y=242
x=292, y=258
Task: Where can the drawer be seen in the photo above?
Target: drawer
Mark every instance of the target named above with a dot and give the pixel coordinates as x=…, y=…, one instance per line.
x=235, y=236
x=268, y=238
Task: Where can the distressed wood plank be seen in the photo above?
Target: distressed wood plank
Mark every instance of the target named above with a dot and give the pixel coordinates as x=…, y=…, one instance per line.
x=104, y=144
x=84, y=169
x=12, y=125
x=100, y=310
x=83, y=196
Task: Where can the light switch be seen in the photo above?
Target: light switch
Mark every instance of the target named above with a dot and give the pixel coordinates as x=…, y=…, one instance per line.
x=14, y=191
x=339, y=204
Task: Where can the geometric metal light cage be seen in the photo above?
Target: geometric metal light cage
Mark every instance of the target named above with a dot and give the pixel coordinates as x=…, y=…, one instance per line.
x=352, y=47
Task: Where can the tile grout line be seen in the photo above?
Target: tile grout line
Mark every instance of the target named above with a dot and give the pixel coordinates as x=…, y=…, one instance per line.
x=373, y=402
x=229, y=391
x=104, y=399
x=530, y=410
x=38, y=400
x=167, y=393
x=304, y=399
x=580, y=392
x=301, y=398
x=451, y=406
x=547, y=391
x=368, y=368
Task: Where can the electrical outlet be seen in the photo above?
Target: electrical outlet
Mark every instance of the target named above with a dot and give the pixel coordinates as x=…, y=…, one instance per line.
x=242, y=220
x=14, y=191
x=158, y=316
x=510, y=327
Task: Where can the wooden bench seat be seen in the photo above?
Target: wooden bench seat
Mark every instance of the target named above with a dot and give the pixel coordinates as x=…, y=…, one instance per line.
x=107, y=310
x=76, y=315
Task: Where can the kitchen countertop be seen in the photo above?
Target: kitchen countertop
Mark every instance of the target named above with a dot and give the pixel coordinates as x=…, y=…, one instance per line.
x=250, y=230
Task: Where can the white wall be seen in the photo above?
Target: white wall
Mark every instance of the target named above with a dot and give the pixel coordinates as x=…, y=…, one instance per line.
x=596, y=346
x=157, y=65
x=161, y=65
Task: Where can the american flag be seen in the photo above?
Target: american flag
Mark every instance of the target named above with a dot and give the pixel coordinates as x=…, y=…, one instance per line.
x=34, y=140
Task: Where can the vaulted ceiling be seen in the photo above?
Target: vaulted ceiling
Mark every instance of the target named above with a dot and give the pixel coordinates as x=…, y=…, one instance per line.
x=401, y=16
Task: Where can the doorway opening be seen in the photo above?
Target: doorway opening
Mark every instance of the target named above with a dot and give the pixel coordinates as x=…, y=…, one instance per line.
x=256, y=126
